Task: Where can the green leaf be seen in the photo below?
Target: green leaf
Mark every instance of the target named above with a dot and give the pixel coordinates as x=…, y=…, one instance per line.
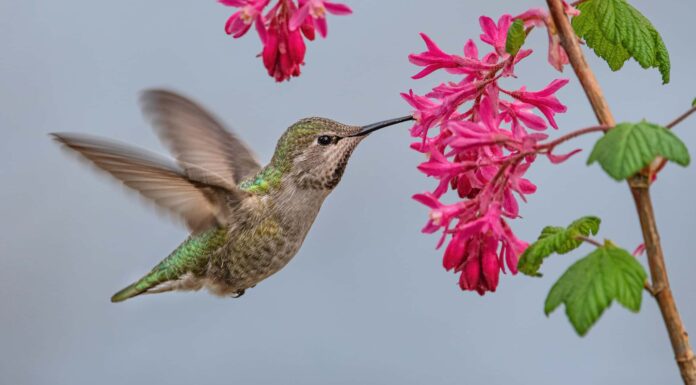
x=628, y=147
x=556, y=240
x=616, y=32
x=693, y=103
x=589, y=286
x=515, y=37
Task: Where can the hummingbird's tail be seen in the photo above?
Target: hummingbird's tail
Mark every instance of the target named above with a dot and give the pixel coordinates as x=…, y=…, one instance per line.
x=175, y=271
x=159, y=280
x=124, y=294
x=132, y=290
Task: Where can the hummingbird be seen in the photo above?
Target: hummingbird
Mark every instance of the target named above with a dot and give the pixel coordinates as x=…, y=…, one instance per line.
x=246, y=221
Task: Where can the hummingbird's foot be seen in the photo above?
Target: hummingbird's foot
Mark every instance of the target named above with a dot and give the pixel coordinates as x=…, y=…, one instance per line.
x=238, y=294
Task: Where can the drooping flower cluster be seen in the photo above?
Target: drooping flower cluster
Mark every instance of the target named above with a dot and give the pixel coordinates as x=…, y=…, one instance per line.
x=480, y=139
x=538, y=17
x=282, y=29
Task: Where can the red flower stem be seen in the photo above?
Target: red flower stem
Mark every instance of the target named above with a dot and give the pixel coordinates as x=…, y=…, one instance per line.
x=681, y=117
x=490, y=78
x=511, y=161
x=547, y=147
x=588, y=240
x=494, y=142
x=659, y=163
x=640, y=189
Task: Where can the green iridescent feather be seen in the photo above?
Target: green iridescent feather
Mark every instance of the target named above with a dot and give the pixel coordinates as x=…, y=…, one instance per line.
x=186, y=258
x=263, y=182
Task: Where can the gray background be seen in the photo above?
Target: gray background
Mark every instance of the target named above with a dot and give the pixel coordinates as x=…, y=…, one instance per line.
x=366, y=300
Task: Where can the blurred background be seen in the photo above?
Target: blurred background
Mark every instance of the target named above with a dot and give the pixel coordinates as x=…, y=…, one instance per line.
x=366, y=299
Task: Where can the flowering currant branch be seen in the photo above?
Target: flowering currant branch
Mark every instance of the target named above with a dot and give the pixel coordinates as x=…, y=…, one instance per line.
x=480, y=138
x=639, y=185
x=282, y=29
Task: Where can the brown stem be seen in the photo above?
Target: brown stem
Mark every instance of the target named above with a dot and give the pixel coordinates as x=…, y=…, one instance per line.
x=574, y=134
x=639, y=185
x=660, y=283
x=588, y=240
x=648, y=287
x=660, y=163
x=681, y=117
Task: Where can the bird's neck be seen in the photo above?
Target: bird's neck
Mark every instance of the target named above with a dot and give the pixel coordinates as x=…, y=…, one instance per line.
x=294, y=201
x=265, y=182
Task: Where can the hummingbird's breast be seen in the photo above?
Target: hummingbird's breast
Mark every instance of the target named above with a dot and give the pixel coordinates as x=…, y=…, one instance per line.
x=263, y=237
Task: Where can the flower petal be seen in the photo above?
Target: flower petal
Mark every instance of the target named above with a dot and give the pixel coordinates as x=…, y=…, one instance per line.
x=298, y=17
x=337, y=8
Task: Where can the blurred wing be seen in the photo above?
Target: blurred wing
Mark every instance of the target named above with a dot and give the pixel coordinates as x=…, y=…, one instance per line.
x=195, y=137
x=197, y=202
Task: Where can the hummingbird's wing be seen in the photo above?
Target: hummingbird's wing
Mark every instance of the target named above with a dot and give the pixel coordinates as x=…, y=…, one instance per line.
x=195, y=137
x=201, y=201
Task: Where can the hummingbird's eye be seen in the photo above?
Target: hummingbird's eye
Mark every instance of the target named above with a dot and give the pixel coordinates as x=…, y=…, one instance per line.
x=324, y=140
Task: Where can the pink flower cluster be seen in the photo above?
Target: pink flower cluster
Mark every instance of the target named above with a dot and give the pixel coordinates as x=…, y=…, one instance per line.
x=479, y=139
x=282, y=29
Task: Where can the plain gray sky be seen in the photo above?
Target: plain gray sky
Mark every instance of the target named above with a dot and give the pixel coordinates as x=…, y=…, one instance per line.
x=366, y=299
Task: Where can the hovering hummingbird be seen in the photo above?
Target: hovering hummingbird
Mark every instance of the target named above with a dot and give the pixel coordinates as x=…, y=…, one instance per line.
x=246, y=221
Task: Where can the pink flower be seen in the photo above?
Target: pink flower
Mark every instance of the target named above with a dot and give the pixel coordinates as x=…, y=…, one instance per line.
x=440, y=215
x=440, y=167
x=570, y=10
x=474, y=252
x=557, y=55
x=239, y=23
x=495, y=35
x=544, y=99
x=316, y=11
x=282, y=29
x=520, y=115
x=480, y=140
x=434, y=59
x=427, y=113
x=284, y=50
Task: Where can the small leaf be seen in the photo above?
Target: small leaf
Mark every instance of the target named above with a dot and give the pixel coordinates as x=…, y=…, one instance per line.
x=586, y=226
x=515, y=37
x=616, y=31
x=589, y=286
x=628, y=147
x=556, y=240
x=693, y=103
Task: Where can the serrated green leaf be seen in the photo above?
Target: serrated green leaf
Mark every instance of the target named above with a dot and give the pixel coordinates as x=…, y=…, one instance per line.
x=556, y=240
x=616, y=31
x=515, y=37
x=628, y=147
x=586, y=226
x=589, y=286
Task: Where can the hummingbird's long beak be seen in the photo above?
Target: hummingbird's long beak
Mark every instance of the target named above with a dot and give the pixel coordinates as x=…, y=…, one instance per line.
x=379, y=125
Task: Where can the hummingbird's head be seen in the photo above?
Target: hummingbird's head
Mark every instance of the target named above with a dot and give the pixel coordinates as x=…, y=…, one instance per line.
x=315, y=151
